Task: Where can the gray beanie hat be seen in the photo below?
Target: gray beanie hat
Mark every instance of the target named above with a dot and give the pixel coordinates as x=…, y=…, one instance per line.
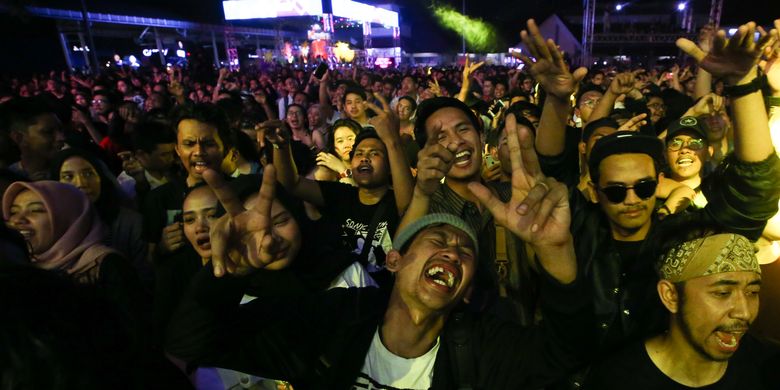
x=434, y=219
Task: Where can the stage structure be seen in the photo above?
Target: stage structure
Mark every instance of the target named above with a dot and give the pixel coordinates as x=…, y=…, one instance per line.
x=376, y=21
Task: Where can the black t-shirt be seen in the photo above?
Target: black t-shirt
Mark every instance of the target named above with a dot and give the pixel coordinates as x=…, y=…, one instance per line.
x=754, y=366
x=353, y=219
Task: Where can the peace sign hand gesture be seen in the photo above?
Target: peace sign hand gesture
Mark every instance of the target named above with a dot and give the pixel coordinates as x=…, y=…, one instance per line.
x=243, y=239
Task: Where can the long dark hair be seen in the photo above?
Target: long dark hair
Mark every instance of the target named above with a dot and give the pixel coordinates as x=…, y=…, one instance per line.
x=110, y=199
x=346, y=122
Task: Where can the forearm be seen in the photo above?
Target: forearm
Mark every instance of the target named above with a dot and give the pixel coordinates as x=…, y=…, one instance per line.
x=286, y=171
x=93, y=133
x=417, y=209
x=269, y=112
x=703, y=83
x=605, y=106
x=464, y=90
x=559, y=261
x=752, y=140
x=403, y=182
x=551, y=136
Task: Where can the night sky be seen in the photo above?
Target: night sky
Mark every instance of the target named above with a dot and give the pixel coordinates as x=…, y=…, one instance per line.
x=507, y=16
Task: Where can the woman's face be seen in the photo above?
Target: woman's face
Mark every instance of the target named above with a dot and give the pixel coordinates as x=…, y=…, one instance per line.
x=78, y=172
x=343, y=141
x=198, y=212
x=285, y=229
x=404, y=108
x=30, y=217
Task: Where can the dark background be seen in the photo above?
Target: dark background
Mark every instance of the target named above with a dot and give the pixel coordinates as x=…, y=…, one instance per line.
x=31, y=44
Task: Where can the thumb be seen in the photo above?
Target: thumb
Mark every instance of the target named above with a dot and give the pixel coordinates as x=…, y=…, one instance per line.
x=579, y=74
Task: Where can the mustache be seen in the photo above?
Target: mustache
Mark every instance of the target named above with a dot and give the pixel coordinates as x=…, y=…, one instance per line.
x=741, y=326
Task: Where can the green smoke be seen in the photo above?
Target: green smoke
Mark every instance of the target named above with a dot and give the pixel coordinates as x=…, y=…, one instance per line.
x=480, y=35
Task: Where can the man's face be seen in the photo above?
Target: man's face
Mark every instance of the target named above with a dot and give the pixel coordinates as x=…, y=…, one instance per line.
x=377, y=87
x=717, y=126
x=716, y=311
x=437, y=269
x=295, y=117
x=369, y=164
x=353, y=105
x=527, y=85
x=291, y=85
x=199, y=211
x=686, y=152
x=199, y=147
x=499, y=91
x=597, y=79
x=388, y=89
x=101, y=104
x=315, y=116
x=364, y=81
x=657, y=109
x=597, y=134
x=503, y=149
x=588, y=102
x=81, y=101
x=43, y=138
x=154, y=101
x=632, y=213
x=451, y=126
x=159, y=160
x=302, y=99
x=121, y=86
x=487, y=89
x=408, y=86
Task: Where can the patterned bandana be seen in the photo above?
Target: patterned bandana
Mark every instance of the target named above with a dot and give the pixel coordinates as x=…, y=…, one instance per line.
x=708, y=256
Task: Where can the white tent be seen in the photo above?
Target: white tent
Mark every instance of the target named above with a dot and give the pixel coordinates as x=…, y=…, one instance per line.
x=554, y=28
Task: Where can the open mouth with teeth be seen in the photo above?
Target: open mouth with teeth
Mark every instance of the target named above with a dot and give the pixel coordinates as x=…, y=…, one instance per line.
x=442, y=276
x=27, y=234
x=463, y=158
x=728, y=341
x=199, y=166
x=364, y=169
x=684, y=162
x=203, y=242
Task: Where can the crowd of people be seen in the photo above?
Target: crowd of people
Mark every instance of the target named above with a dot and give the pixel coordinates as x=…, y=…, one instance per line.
x=470, y=227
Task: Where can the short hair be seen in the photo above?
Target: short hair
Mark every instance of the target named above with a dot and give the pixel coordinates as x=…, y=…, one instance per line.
x=411, y=101
x=351, y=89
x=364, y=135
x=409, y=76
x=24, y=112
x=583, y=91
x=149, y=134
x=207, y=113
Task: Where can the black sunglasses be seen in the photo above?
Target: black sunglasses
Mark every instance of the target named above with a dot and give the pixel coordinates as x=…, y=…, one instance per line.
x=616, y=193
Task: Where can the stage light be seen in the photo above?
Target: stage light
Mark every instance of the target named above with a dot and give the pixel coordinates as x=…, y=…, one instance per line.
x=618, y=7
x=681, y=6
x=480, y=35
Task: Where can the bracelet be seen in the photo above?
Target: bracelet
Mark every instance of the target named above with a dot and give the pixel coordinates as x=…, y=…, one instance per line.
x=347, y=173
x=736, y=91
x=772, y=101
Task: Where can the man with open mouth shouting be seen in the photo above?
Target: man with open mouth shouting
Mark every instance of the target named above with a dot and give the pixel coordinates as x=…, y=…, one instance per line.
x=710, y=286
x=415, y=336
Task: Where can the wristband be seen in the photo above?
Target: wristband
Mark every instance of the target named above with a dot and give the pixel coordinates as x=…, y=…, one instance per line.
x=736, y=91
x=347, y=173
x=772, y=101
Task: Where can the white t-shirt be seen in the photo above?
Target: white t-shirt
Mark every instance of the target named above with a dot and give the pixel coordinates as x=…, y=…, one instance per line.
x=384, y=370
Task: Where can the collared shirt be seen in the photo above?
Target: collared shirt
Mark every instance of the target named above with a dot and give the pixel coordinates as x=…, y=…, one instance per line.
x=127, y=183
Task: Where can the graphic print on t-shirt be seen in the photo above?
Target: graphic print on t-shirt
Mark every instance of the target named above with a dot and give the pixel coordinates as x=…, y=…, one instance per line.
x=357, y=231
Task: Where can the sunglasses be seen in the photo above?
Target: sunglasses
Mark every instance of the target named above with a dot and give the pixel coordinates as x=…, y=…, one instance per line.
x=616, y=193
x=692, y=144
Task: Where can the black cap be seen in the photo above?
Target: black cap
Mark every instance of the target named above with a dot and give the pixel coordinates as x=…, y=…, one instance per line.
x=623, y=142
x=688, y=123
x=591, y=127
x=429, y=106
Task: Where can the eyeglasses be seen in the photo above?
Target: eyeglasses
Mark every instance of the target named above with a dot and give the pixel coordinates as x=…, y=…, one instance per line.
x=616, y=193
x=590, y=102
x=656, y=106
x=692, y=144
x=98, y=101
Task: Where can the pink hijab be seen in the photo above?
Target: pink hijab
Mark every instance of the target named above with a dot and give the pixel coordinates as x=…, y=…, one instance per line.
x=78, y=248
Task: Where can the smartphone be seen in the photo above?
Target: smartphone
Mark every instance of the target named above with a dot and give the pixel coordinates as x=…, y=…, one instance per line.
x=489, y=160
x=669, y=76
x=321, y=69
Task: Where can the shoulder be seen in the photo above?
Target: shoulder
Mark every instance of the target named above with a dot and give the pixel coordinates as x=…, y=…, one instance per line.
x=627, y=367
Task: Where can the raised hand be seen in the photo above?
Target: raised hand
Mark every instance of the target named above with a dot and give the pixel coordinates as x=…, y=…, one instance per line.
x=732, y=58
x=331, y=162
x=538, y=211
x=771, y=66
x=549, y=69
x=433, y=163
x=275, y=131
x=710, y=103
x=243, y=239
x=468, y=69
x=386, y=123
x=624, y=83
x=634, y=123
